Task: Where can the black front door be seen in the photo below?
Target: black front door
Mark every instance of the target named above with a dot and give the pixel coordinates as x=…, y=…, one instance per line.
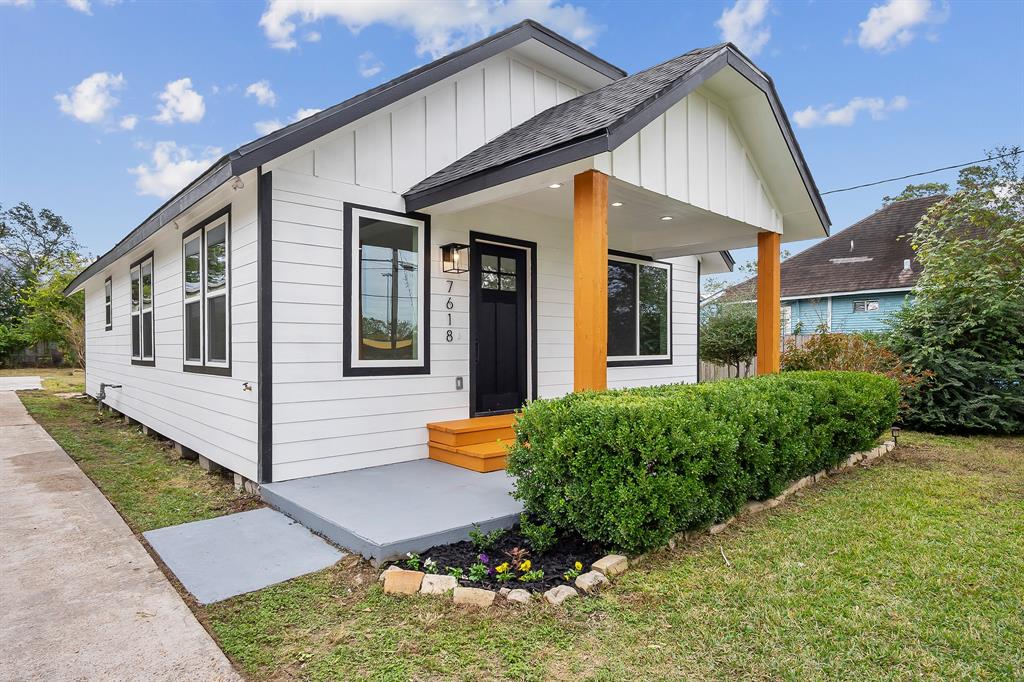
x=498, y=284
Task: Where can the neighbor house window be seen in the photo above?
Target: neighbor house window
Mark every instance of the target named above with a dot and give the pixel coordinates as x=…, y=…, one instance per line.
x=787, y=319
x=142, y=311
x=865, y=306
x=205, y=287
x=387, y=292
x=639, y=310
x=108, y=305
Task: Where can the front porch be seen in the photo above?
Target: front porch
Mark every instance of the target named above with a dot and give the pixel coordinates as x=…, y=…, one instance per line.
x=383, y=512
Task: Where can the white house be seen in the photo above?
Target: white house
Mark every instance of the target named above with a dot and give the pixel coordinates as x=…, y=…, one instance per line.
x=518, y=219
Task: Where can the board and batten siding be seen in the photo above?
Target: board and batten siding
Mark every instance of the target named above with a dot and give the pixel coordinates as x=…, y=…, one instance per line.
x=326, y=422
x=695, y=153
x=396, y=147
x=212, y=415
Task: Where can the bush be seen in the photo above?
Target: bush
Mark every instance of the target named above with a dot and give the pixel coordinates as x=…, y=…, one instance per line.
x=630, y=468
x=862, y=352
x=728, y=336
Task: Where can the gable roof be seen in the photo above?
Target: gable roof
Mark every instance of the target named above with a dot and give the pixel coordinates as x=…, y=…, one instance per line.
x=866, y=256
x=600, y=121
x=252, y=155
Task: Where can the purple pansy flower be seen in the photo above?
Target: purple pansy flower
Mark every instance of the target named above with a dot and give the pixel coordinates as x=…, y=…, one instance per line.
x=483, y=558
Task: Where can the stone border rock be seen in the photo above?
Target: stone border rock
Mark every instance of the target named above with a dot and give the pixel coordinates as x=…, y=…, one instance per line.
x=400, y=581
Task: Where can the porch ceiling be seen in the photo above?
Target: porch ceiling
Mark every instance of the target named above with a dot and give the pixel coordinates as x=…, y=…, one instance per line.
x=637, y=226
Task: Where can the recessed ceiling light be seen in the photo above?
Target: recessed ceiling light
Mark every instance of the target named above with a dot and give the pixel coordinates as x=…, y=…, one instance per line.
x=666, y=217
x=616, y=203
x=555, y=185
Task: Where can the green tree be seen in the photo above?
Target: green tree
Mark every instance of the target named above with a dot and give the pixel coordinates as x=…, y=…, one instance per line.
x=925, y=189
x=728, y=335
x=965, y=329
x=38, y=254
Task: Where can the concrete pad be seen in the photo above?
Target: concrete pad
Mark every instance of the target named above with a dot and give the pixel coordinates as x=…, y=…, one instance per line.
x=230, y=555
x=80, y=598
x=26, y=383
x=383, y=512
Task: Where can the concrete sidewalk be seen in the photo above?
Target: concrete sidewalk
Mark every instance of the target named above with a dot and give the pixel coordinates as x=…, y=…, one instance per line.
x=80, y=598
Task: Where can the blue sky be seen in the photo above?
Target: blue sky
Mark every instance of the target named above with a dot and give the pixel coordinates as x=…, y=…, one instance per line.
x=106, y=108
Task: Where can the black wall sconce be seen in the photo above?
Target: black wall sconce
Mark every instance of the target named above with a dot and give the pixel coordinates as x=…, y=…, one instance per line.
x=455, y=258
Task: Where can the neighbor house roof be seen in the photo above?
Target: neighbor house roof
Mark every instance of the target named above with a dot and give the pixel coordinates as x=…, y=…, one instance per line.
x=255, y=153
x=867, y=256
x=599, y=121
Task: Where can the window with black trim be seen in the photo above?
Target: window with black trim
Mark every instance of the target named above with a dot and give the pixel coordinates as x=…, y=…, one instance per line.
x=639, y=311
x=388, y=292
x=205, y=291
x=142, y=311
x=108, y=305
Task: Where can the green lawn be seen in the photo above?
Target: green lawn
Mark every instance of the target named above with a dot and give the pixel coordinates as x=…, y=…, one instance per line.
x=911, y=569
x=141, y=477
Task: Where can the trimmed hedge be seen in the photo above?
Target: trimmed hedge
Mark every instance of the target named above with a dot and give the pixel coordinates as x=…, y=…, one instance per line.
x=631, y=468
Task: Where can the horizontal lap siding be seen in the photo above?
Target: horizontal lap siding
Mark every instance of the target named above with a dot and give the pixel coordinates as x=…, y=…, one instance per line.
x=845, y=320
x=212, y=415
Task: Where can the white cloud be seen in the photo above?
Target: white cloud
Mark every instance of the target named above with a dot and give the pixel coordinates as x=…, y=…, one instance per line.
x=312, y=37
x=262, y=92
x=743, y=25
x=171, y=168
x=91, y=100
x=128, y=122
x=180, y=103
x=369, y=65
x=829, y=115
x=267, y=127
x=17, y=3
x=893, y=24
x=439, y=28
x=79, y=5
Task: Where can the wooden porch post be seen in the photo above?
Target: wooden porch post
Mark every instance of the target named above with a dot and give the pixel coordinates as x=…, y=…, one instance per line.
x=590, y=281
x=768, y=292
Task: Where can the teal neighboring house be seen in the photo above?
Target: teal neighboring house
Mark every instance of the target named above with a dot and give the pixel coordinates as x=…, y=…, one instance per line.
x=852, y=281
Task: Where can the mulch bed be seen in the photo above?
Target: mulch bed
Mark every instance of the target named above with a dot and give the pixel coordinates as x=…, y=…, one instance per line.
x=555, y=562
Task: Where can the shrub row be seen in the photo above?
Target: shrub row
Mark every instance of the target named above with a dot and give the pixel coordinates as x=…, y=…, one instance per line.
x=630, y=468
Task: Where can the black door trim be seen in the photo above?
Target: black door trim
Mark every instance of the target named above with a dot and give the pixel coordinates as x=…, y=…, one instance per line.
x=531, y=322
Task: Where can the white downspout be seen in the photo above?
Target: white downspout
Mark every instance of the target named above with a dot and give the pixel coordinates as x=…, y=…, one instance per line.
x=830, y=313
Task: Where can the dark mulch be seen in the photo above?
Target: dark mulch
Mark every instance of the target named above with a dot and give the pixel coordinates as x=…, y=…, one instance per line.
x=555, y=562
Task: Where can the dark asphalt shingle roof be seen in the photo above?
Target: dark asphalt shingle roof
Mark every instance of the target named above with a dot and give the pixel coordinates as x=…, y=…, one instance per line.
x=574, y=119
x=880, y=244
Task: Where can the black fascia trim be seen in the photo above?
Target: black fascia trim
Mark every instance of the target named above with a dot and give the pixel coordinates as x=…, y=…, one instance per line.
x=574, y=150
x=475, y=237
x=426, y=272
x=264, y=328
x=640, y=362
x=741, y=64
x=213, y=178
x=730, y=262
x=109, y=280
x=204, y=369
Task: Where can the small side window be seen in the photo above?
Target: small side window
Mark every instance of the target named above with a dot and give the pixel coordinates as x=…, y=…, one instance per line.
x=108, y=305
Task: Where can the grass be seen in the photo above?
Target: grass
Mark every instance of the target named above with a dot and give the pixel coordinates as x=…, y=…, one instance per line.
x=141, y=477
x=911, y=569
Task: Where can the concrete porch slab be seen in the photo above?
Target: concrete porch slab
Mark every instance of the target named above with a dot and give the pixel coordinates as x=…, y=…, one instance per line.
x=384, y=512
x=230, y=555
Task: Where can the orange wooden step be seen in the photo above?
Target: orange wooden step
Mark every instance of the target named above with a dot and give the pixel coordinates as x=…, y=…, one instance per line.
x=481, y=457
x=459, y=432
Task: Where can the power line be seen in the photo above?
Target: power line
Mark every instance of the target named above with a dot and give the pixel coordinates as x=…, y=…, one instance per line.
x=1014, y=152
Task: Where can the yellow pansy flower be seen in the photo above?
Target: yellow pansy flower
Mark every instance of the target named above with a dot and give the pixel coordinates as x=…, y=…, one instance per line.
x=525, y=566
x=578, y=566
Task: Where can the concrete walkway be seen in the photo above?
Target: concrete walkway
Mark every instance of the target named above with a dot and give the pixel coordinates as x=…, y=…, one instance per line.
x=79, y=596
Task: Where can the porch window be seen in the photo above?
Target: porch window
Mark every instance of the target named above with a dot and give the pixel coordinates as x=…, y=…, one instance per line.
x=142, y=311
x=108, y=308
x=387, y=292
x=205, y=290
x=639, y=306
